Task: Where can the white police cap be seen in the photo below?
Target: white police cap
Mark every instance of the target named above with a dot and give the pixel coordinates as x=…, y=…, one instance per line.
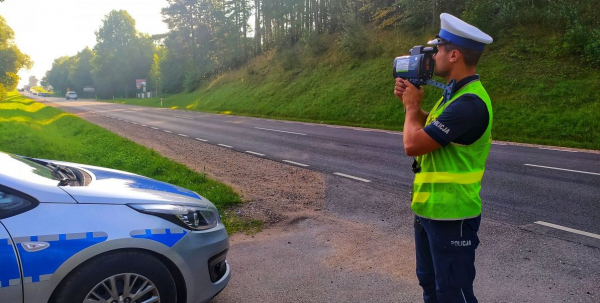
x=461, y=33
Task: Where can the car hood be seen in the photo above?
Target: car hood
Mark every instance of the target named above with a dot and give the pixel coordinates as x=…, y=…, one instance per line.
x=109, y=186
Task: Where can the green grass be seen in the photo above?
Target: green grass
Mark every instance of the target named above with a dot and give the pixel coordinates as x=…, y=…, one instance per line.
x=538, y=96
x=32, y=129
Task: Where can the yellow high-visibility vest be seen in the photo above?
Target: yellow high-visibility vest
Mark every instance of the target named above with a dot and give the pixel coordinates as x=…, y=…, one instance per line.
x=447, y=188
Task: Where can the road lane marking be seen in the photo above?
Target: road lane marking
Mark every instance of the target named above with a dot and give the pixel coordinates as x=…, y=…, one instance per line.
x=183, y=135
x=152, y=127
x=203, y=140
x=281, y=131
x=134, y=123
x=352, y=177
x=556, y=149
x=295, y=163
x=575, y=231
x=126, y=120
x=255, y=153
x=225, y=145
x=144, y=125
x=563, y=169
x=184, y=117
x=167, y=131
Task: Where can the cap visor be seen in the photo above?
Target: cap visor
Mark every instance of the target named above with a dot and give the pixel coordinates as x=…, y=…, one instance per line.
x=436, y=42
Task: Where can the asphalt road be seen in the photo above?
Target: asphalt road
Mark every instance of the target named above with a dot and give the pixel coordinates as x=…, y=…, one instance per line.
x=521, y=185
x=540, y=203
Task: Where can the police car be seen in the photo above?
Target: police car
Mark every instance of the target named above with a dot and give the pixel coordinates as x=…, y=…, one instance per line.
x=78, y=233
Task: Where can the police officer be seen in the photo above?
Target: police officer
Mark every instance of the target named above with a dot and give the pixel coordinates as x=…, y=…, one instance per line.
x=451, y=144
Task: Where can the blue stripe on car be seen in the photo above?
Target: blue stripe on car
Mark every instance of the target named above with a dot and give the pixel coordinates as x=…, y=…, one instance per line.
x=169, y=239
x=47, y=261
x=9, y=267
x=135, y=181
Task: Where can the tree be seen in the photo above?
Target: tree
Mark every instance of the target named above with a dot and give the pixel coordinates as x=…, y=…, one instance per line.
x=155, y=76
x=122, y=56
x=11, y=60
x=33, y=81
x=80, y=72
x=58, y=75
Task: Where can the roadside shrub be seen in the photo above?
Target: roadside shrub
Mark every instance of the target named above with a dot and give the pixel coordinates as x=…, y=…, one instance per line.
x=316, y=44
x=191, y=80
x=3, y=92
x=354, y=39
x=289, y=58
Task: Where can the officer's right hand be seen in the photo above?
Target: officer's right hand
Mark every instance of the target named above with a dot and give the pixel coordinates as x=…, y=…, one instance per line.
x=400, y=88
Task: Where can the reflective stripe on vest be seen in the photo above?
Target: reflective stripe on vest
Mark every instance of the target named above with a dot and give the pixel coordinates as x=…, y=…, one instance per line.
x=443, y=177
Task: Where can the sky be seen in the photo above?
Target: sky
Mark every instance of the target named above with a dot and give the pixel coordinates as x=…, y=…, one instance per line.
x=48, y=29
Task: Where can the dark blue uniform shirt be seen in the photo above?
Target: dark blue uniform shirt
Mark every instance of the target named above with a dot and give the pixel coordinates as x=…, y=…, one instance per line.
x=464, y=120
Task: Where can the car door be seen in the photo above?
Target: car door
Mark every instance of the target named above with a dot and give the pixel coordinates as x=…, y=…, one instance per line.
x=11, y=288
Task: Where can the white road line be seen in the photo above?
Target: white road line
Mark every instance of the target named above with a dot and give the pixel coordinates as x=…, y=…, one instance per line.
x=134, y=123
x=281, y=131
x=120, y=119
x=255, y=153
x=167, y=131
x=144, y=125
x=203, y=140
x=225, y=145
x=126, y=120
x=295, y=163
x=563, y=169
x=352, y=177
x=556, y=149
x=183, y=135
x=184, y=117
x=152, y=127
x=495, y=143
x=575, y=231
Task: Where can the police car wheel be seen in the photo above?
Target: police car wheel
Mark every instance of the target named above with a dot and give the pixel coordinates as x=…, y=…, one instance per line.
x=125, y=277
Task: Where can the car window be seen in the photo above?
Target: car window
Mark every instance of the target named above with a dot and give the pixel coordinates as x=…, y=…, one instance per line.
x=19, y=167
x=13, y=202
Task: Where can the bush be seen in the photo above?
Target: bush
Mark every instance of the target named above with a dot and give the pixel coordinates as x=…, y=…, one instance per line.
x=354, y=39
x=316, y=44
x=3, y=92
x=289, y=58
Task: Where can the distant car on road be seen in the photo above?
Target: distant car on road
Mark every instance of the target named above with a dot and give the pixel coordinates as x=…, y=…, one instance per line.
x=79, y=233
x=71, y=95
x=35, y=93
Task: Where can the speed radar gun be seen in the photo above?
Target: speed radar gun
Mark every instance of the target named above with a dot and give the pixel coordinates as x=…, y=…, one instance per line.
x=418, y=67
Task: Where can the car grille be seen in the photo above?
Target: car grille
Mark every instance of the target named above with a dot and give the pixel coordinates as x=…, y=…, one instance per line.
x=217, y=266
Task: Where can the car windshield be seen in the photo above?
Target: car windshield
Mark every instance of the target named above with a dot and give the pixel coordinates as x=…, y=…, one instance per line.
x=21, y=168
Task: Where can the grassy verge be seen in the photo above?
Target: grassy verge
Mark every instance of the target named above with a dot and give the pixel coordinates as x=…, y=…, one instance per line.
x=539, y=96
x=32, y=129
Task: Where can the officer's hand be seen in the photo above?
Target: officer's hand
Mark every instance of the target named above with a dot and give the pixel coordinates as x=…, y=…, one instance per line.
x=412, y=95
x=400, y=88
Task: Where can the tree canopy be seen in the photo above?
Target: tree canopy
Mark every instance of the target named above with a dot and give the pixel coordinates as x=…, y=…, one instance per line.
x=11, y=60
x=207, y=37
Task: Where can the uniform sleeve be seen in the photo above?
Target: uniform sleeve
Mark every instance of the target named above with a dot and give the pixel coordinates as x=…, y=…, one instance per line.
x=457, y=120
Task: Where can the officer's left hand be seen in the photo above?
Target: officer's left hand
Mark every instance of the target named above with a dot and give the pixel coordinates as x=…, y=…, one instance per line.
x=412, y=96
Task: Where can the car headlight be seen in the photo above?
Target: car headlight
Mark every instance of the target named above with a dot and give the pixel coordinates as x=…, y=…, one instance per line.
x=190, y=217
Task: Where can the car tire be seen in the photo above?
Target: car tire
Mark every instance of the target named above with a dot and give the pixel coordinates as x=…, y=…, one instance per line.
x=112, y=270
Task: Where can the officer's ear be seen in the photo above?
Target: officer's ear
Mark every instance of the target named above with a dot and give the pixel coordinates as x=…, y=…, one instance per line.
x=455, y=55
